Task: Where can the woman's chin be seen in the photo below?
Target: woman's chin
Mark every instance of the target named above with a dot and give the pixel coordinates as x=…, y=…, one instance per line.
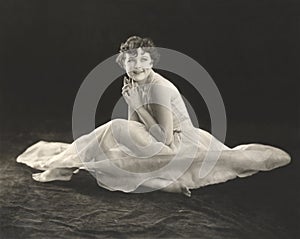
x=140, y=77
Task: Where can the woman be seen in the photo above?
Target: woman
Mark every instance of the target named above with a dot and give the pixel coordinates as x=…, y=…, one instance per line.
x=157, y=147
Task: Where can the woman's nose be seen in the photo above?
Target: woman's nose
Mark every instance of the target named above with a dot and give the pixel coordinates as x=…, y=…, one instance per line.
x=138, y=64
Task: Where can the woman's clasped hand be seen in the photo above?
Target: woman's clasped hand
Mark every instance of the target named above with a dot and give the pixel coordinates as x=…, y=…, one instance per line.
x=131, y=93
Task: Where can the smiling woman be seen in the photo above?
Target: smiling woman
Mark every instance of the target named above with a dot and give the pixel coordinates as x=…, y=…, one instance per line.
x=157, y=147
x=138, y=66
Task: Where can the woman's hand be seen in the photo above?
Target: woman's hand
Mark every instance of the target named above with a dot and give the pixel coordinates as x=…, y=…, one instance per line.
x=131, y=94
x=126, y=85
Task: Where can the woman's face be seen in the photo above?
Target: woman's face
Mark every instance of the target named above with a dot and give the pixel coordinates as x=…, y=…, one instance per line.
x=138, y=66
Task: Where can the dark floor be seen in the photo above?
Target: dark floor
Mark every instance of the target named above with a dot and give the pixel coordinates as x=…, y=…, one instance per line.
x=265, y=205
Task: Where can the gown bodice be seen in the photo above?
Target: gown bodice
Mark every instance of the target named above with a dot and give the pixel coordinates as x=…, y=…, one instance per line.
x=181, y=118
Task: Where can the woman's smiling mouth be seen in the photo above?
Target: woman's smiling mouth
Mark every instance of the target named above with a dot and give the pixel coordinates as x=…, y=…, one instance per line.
x=136, y=72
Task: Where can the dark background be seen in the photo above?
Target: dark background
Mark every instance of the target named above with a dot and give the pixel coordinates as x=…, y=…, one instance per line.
x=250, y=48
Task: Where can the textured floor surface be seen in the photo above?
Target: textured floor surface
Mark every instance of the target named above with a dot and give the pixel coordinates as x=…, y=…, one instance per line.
x=265, y=205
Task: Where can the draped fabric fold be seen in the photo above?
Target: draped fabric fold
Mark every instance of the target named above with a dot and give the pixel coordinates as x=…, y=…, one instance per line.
x=123, y=155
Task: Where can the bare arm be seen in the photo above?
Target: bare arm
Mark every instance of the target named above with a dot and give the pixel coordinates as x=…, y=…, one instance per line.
x=164, y=117
x=132, y=115
x=160, y=124
x=161, y=128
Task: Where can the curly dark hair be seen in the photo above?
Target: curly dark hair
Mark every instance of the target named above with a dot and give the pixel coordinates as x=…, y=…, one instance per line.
x=132, y=44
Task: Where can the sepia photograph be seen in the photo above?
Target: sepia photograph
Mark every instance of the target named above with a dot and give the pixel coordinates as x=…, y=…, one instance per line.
x=150, y=119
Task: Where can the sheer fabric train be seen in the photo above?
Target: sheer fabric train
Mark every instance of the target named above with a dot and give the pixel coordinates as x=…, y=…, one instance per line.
x=123, y=155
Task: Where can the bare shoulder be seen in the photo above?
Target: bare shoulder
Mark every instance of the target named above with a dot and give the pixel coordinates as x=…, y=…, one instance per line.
x=162, y=81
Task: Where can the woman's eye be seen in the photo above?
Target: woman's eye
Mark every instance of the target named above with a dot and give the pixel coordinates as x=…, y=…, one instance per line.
x=130, y=60
x=144, y=59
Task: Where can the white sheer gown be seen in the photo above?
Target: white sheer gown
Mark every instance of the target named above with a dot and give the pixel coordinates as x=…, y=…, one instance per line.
x=122, y=155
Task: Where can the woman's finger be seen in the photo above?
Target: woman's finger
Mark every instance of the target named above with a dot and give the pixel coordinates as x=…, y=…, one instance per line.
x=125, y=92
x=125, y=80
x=131, y=83
x=125, y=87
